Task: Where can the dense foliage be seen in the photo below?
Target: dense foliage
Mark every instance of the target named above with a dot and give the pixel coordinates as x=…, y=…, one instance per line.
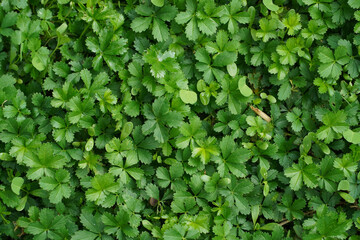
x=179, y=119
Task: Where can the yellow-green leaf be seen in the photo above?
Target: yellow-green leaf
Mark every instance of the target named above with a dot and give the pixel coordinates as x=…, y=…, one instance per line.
x=347, y=197
x=270, y=5
x=351, y=136
x=244, y=89
x=158, y=3
x=16, y=184
x=188, y=96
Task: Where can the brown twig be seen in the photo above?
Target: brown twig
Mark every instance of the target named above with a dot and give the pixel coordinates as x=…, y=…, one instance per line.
x=261, y=114
x=2, y=105
x=309, y=213
x=284, y=222
x=355, y=206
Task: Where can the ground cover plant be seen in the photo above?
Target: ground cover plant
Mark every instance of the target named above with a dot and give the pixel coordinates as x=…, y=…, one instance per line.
x=179, y=119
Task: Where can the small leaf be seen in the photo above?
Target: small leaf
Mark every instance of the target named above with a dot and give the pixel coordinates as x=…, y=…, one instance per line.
x=324, y=148
x=232, y=69
x=354, y=3
x=22, y=203
x=347, y=197
x=63, y=1
x=205, y=178
x=270, y=226
x=270, y=5
x=224, y=58
x=126, y=130
x=16, y=184
x=344, y=185
x=352, y=137
x=244, y=89
x=158, y=3
x=188, y=96
x=224, y=182
x=284, y=91
x=40, y=59
x=255, y=213
x=62, y=28
x=89, y=144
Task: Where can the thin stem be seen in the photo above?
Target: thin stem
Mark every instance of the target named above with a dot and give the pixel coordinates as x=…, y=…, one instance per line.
x=4, y=219
x=56, y=48
x=285, y=221
x=49, y=40
x=83, y=32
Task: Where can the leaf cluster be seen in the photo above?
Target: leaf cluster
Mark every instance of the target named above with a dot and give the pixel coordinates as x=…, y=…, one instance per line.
x=179, y=119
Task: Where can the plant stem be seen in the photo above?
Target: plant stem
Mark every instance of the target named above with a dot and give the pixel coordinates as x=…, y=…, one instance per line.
x=56, y=48
x=83, y=32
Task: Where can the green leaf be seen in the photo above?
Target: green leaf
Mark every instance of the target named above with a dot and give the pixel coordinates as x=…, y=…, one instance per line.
x=352, y=137
x=61, y=69
x=292, y=209
x=192, y=31
x=294, y=118
x=232, y=158
x=160, y=30
x=140, y=24
x=331, y=64
x=82, y=234
x=120, y=224
x=40, y=59
x=202, y=56
x=335, y=123
x=57, y=186
x=175, y=233
x=199, y=223
x=301, y=173
x=206, y=149
x=187, y=96
x=48, y=223
x=333, y=225
x=158, y=3
x=354, y=4
x=160, y=110
x=328, y=175
x=43, y=162
x=347, y=197
x=270, y=5
x=102, y=186
x=225, y=58
x=190, y=132
x=151, y=119
x=90, y=222
x=284, y=91
x=63, y=1
x=207, y=26
x=152, y=191
x=16, y=184
x=346, y=164
x=89, y=144
x=126, y=130
x=292, y=22
x=232, y=69
x=344, y=185
x=255, y=210
x=244, y=89
x=267, y=29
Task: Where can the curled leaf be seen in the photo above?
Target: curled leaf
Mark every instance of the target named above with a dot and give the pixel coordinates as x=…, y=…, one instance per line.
x=153, y=202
